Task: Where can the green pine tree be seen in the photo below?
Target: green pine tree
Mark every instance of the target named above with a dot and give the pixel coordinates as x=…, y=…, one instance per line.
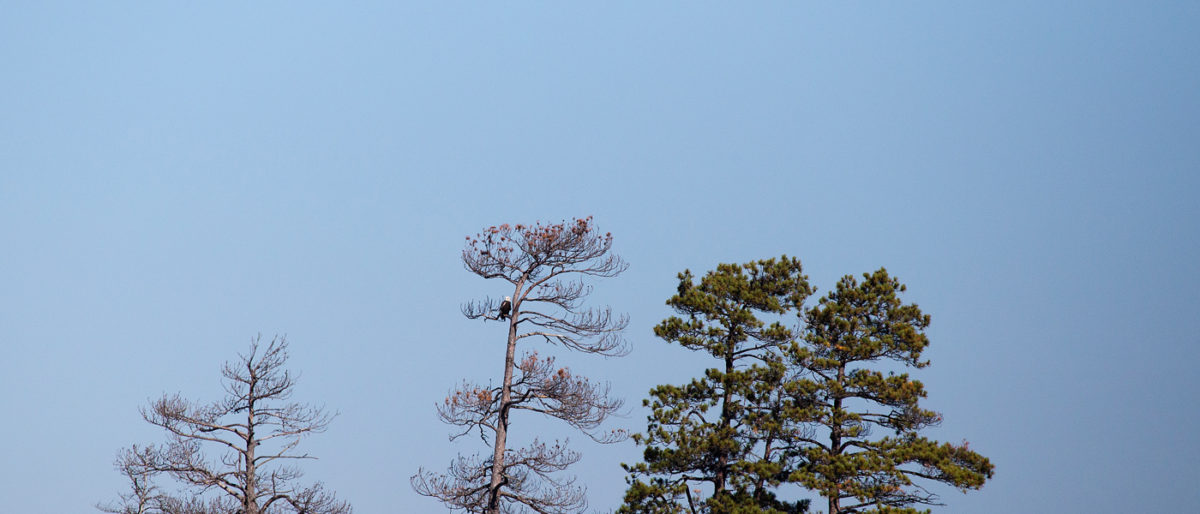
x=794, y=407
x=720, y=443
x=855, y=327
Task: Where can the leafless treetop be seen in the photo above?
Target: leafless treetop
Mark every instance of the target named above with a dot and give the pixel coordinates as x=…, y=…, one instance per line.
x=538, y=252
x=538, y=260
x=255, y=428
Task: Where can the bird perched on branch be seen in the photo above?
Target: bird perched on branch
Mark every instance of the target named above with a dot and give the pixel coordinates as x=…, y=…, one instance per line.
x=505, y=308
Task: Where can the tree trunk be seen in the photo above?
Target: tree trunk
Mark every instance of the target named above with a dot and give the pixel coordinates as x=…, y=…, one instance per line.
x=249, y=506
x=721, y=474
x=835, y=441
x=493, y=506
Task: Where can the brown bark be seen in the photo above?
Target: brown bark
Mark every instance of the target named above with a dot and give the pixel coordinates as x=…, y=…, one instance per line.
x=510, y=356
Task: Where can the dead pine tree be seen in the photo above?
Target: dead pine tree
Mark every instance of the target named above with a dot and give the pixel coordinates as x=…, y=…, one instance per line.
x=546, y=266
x=255, y=430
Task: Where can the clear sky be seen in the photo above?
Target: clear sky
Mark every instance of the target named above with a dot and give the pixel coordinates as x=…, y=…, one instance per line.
x=177, y=177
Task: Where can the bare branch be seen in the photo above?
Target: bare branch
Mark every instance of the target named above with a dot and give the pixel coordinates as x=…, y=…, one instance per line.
x=254, y=423
x=545, y=265
x=553, y=391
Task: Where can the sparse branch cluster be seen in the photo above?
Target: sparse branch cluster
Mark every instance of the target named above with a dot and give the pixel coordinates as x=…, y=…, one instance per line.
x=536, y=260
x=530, y=481
x=464, y=486
x=589, y=331
x=538, y=386
x=545, y=266
x=539, y=252
x=253, y=427
x=471, y=407
x=542, y=387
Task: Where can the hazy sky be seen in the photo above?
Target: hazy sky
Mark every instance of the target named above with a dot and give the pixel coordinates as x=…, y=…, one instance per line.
x=176, y=178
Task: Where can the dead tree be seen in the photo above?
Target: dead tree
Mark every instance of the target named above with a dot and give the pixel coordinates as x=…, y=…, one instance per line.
x=256, y=430
x=546, y=266
x=144, y=497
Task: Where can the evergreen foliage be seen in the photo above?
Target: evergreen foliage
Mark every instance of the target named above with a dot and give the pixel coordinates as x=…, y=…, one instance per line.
x=856, y=325
x=725, y=431
x=798, y=407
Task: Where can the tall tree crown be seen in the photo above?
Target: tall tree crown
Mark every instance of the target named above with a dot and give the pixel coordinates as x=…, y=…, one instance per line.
x=867, y=322
x=545, y=265
x=850, y=329
x=721, y=310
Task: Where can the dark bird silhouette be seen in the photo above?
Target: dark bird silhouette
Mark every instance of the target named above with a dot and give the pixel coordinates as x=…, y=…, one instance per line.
x=505, y=307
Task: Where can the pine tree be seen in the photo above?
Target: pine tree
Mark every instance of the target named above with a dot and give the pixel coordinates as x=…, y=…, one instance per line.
x=545, y=265
x=853, y=328
x=794, y=406
x=718, y=444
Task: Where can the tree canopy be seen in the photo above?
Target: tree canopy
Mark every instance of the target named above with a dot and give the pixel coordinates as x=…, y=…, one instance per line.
x=794, y=405
x=854, y=327
x=727, y=430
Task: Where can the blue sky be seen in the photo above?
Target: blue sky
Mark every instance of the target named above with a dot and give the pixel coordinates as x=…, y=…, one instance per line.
x=176, y=178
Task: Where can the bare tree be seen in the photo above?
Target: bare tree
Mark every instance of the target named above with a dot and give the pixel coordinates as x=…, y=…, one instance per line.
x=144, y=497
x=546, y=266
x=257, y=431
